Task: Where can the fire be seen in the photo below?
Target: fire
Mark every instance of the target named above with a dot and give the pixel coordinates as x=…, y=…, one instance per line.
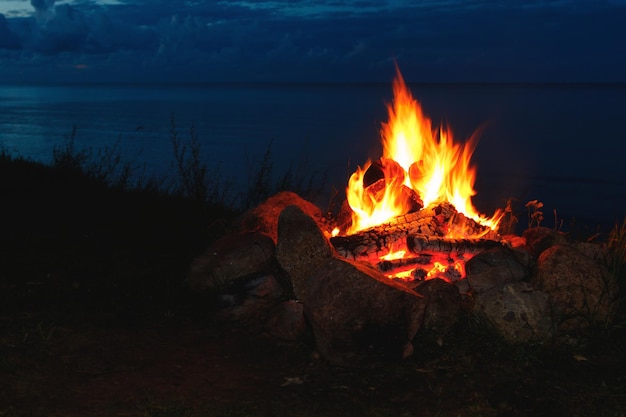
x=418, y=158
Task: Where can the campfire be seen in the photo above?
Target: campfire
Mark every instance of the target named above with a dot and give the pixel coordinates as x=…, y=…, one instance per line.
x=410, y=212
x=407, y=256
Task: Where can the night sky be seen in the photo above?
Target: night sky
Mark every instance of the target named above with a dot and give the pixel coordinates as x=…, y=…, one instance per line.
x=312, y=41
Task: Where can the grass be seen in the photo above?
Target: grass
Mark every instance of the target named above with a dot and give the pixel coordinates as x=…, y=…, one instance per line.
x=93, y=305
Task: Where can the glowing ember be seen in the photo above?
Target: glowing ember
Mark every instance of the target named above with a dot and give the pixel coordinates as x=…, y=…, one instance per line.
x=418, y=158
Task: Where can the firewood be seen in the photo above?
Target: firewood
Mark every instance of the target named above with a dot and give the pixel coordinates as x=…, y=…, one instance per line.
x=422, y=230
x=394, y=264
x=427, y=244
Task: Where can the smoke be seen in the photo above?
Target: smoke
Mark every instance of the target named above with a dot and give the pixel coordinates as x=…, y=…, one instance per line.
x=44, y=9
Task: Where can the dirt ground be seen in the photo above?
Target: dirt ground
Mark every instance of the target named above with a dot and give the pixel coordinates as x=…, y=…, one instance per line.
x=58, y=365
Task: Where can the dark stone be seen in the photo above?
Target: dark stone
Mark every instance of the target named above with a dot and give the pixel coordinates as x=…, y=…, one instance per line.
x=581, y=290
x=494, y=268
x=231, y=258
x=360, y=317
x=517, y=311
x=443, y=304
x=261, y=295
x=302, y=248
x=286, y=321
x=539, y=239
x=264, y=217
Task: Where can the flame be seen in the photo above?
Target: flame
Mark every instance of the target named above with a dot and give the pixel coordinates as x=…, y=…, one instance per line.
x=438, y=268
x=427, y=161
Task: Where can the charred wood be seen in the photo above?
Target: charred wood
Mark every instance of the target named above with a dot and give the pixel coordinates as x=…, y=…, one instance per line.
x=459, y=247
x=421, y=231
x=394, y=264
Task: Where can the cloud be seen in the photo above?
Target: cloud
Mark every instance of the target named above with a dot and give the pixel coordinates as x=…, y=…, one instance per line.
x=8, y=40
x=263, y=40
x=44, y=9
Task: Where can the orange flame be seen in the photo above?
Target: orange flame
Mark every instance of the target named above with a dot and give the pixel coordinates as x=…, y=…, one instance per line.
x=428, y=162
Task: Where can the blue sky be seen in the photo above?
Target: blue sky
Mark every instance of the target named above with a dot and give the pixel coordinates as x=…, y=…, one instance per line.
x=312, y=41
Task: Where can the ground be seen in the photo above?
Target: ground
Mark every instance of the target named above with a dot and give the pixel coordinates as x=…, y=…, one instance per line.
x=56, y=364
x=95, y=320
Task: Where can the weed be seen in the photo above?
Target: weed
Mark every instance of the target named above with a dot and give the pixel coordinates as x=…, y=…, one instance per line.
x=535, y=215
x=616, y=251
x=195, y=180
x=67, y=157
x=262, y=182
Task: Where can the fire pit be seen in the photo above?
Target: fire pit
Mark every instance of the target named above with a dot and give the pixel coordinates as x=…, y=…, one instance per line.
x=408, y=253
x=410, y=212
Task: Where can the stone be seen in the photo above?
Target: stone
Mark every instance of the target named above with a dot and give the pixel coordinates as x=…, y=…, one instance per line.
x=517, y=311
x=301, y=249
x=264, y=217
x=581, y=291
x=231, y=258
x=493, y=268
x=443, y=304
x=286, y=321
x=359, y=317
x=540, y=238
x=591, y=250
x=253, y=301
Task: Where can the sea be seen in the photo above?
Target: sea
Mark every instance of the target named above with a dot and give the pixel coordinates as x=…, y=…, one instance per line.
x=561, y=144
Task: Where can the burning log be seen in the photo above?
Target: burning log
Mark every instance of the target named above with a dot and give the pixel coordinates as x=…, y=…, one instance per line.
x=419, y=231
x=459, y=247
x=396, y=264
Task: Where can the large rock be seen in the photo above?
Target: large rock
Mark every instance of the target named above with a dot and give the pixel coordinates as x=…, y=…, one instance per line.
x=443, y=304
x=302, y=248
x=264, y=217
x=540, y=238
x=494, y=268
x=251, y=302
x=232, y=258
x=286, y=321
x=358, y=316
x=517, y=311
x=499, y=282
x=581, y=290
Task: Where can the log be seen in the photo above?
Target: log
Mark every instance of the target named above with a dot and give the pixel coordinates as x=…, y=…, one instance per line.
x=459, y=247
x=423, y=230
x=394, y=264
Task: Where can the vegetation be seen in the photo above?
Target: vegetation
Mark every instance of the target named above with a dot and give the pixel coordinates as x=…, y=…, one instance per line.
x=95, y=317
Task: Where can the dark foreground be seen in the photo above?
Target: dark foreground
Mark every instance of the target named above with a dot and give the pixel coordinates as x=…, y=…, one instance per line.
x=95, y=320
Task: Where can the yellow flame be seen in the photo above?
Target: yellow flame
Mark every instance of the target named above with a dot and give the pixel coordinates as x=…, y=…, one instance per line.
x=432, y=164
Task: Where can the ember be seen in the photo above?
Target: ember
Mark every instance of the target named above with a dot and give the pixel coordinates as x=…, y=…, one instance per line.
x=421, y=170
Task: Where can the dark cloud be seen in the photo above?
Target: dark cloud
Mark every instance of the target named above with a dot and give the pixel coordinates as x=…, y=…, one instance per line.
x=185, y=40
x=44, y=9
x=8, y=40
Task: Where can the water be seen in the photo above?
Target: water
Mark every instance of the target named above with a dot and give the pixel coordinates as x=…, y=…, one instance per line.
x=561, y=144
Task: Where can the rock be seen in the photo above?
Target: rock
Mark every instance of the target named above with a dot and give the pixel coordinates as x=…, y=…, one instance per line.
x=264, y=217
x=231, y=258
x=360, y=317
x=581, y=291
x=517, y=311
x=302, y=248
x=591, y=250
x=443, y=304
x=539, y=239
x=286, y=321
x=253, y=302
x=494, y=268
